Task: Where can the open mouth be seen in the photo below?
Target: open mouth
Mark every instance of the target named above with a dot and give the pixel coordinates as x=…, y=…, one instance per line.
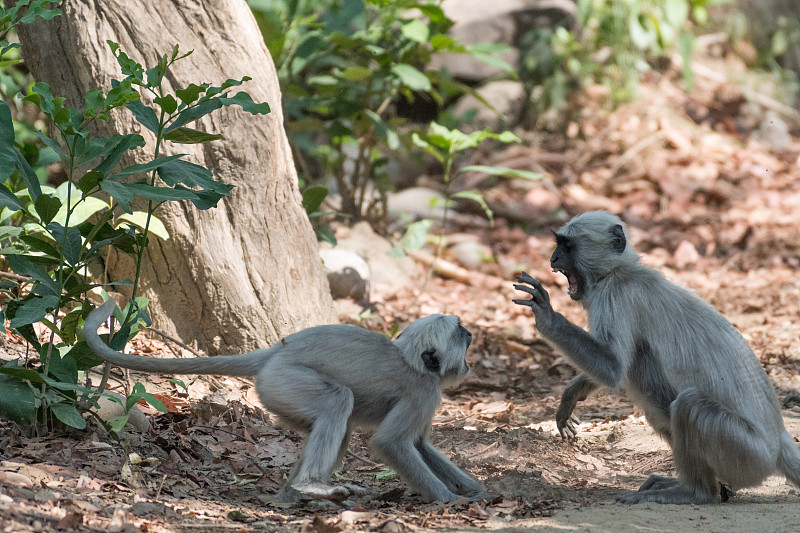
x=572, y=279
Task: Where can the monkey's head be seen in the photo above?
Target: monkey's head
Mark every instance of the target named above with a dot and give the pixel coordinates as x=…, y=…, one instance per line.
x=588, y=248
x=437, y=345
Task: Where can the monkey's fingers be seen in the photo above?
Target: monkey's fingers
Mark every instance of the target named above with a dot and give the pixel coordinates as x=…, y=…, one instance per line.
x=569, y=429
x=483, y=495
x=524, y=277
x=535, y=294
x=530, y=302
x=542, y=292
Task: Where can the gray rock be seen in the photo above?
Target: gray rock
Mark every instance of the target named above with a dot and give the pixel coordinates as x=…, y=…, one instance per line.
x=773, y=132
x=505, y=96
x=416, y=202
x=497, y=22
x=471, y=254
x=109, y=409
x=348, y=274
x=384, y=269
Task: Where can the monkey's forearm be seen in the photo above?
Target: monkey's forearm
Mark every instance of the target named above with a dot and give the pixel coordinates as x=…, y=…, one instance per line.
x=591, y=355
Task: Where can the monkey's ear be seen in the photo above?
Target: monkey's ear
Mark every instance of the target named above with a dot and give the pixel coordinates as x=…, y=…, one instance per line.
x=618, y=241
x=431, y=361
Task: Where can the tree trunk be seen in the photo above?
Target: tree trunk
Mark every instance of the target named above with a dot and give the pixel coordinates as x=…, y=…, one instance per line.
x=238, y=276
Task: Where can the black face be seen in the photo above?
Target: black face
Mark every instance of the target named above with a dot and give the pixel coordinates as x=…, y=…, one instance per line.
x=563, y=261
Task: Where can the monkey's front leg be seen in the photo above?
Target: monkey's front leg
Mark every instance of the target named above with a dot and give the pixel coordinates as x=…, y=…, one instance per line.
x=592, y=356
x=577, y=391
x=394, y=443
x=457, y=480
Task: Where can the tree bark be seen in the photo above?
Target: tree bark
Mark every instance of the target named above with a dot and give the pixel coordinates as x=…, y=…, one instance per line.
x=238, y=276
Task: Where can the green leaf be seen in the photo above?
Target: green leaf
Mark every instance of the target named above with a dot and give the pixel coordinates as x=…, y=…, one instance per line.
x=193, y=113
x=411, y=77
x=83, y=356
x=47, y=207
x=69, y=325
x=386, y=474
x=416, y=30
x=22, y=373
x=73, y=244
x=191, y=174
x=139, y=218
x=144, y=168
x=63, y=369
x=191, y=93
x=416, y=235
x=384, y=131
x=89, y=181
x=179, y=383
x=69, y=415
x=685, y=44
x=17, y=400
x=160, y=194
x=356, y=73
x=476, y=197
x=503, y=172
x=155, y=402
x=28, y=176
x=243, y=100
x=8, y=152
x=93, y=100
x=117, y=422
x=313, y=198
x=167, y=103
x=112, y=148
x=119, y=192
x=22, y=265
x=9, y=199
x=427, y=147
x=145, y=115
x=53, y=145
x=40, y=245
x=190, y=136
x=676, y=12
x=33, y=310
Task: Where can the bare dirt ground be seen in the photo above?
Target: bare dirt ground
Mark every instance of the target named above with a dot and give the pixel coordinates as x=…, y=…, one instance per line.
x=710, y=207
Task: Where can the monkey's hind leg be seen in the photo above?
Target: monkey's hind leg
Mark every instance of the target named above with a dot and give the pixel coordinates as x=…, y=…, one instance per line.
x=323, y=408
x=710, y=443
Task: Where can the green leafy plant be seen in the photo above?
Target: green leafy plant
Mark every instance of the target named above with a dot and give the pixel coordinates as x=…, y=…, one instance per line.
x=611, y=44
x=50, y=235
x=346, y=69
x=445, y=145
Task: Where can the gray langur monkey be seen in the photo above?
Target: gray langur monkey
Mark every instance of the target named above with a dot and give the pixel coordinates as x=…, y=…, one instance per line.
x=696, y=379
x=325, y=380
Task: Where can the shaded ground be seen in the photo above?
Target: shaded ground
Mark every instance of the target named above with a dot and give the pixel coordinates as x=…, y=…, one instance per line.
x=712, y=209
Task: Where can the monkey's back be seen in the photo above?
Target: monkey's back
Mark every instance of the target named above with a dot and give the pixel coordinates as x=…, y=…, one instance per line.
x=365, y=362
x=692, y=342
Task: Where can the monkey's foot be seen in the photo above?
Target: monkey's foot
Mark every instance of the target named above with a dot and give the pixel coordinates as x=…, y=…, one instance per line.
x=656, y=482
x=725, y=492
x=676, y=494
x=568, y=428
x=479, y=496
x=320, y=491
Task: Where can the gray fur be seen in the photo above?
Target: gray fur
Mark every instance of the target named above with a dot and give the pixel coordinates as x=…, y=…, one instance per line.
x=326, y=380
x=696, y=379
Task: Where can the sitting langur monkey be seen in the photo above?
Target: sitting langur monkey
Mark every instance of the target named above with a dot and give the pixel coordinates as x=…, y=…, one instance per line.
x=699, y=384
x=325, y=380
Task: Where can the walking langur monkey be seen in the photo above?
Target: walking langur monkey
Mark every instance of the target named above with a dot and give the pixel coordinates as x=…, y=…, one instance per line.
x=327, y=379
x=699, y=384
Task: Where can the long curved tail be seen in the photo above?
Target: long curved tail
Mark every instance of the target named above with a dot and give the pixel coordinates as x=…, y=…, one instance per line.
x=247, y=364
x=789, y=459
